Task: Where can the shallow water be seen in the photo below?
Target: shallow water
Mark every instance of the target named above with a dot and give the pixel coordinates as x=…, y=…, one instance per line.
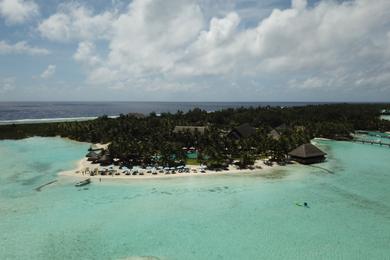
x=211, y=217
x=385, y=117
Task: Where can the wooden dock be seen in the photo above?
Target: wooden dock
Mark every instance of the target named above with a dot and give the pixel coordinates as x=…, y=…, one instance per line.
x=371, y=142
x=44, y=185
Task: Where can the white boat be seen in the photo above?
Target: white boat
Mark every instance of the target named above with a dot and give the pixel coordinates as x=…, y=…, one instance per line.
x=83, y=183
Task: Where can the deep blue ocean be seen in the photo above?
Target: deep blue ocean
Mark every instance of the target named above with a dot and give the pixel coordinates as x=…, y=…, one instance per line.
x=27, y=112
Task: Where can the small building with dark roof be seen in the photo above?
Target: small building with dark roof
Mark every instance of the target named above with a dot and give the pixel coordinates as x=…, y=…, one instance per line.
x=105, y=159
x=282, y=128
x=242, y=131
x=92, y=156
x=274, y=134
x=307, y=154
x=190, y=129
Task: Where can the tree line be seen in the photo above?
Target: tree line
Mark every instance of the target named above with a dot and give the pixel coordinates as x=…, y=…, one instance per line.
x=151, y=139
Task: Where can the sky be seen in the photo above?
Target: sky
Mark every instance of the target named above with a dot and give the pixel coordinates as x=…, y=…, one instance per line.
x=195, y=50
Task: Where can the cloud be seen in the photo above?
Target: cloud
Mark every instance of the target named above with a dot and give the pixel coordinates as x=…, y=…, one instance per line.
x=18, y=11
x=76, y=22
x=48, y=72
x=147, y=39
x=329, y=45
x=6, y=85
x=86, y=54
x=21, y=47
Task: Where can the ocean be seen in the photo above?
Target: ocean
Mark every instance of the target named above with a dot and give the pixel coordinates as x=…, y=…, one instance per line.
x=31, y=112
x=242, y=216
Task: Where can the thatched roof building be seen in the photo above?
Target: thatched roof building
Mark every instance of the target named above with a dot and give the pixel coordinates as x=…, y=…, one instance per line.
x=105, y=159
x=190, y=129
x=242, y=131
x=307, y=154
x=93, y=157
x=274, y=134
x=92, y=154
x=281, y=128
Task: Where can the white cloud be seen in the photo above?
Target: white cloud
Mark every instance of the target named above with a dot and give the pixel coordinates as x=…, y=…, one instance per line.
x=21, y=48
x=147, y=39
x=86, y=54
x=299, y=4
x=6, y=85
x=329, y=45
x=18, y=11
x=76, y=22
x=48, y=72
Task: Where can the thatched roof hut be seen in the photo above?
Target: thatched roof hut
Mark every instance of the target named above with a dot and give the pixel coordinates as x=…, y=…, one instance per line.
x=281, y=128
x=242, y=131
x=105, y=159
x=92, y=154
x=307, y=154
x=93, y=158
x=274, y=134
x=190, y=129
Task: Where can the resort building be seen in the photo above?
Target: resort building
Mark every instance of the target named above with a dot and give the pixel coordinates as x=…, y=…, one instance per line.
x=274, y=134
x=93, y=156
x=307, y=154
x=190, y=129
x=105, y=159
x=282, y=128
x=242, y=131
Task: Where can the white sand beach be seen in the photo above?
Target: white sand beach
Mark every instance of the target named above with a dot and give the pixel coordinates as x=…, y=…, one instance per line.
x=84, y=167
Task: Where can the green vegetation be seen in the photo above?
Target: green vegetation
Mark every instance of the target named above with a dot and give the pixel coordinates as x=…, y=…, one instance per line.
x=192, y=162
x=152, y=140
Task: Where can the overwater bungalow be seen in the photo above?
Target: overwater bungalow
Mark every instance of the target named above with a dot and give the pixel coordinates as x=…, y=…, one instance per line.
x=307, y=154
x=242, y=131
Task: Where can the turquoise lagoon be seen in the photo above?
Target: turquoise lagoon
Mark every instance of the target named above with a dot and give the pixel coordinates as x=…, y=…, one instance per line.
x=242, y=216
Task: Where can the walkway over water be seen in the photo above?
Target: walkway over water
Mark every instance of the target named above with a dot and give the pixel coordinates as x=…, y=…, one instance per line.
x=371, y=142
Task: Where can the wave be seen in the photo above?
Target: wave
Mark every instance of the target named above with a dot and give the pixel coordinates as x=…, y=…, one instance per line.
x=49, y=120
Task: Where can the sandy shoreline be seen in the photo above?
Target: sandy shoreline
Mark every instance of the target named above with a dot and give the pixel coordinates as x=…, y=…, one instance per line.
x=83, y=164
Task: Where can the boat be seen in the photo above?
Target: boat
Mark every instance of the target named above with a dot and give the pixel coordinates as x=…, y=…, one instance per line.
x=83, y=183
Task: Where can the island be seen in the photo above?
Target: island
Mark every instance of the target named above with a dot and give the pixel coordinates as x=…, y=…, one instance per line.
x=199, y=141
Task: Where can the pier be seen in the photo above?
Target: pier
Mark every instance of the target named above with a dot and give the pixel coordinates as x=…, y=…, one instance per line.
x=44, y=185
x=371, y=142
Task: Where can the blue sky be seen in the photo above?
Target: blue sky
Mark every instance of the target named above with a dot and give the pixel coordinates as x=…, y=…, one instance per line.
x=195, y=50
